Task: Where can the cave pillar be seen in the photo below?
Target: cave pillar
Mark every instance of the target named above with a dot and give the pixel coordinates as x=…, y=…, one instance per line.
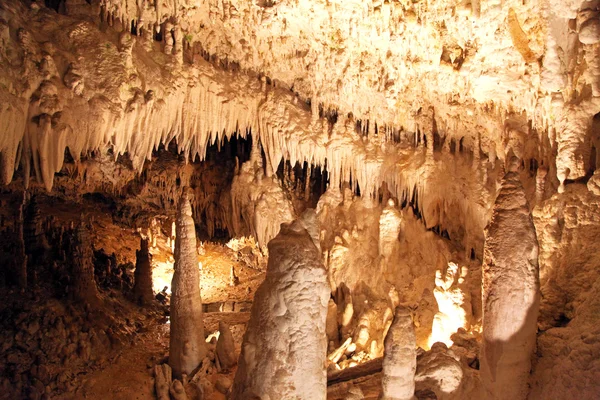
x=285, y=344
x=400, y=358
x=510, y=292
x=84, y=285
x=21, y=255
x=142, y=289
x=187, y=346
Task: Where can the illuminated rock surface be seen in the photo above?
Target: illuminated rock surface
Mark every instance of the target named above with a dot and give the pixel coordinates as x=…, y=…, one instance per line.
x=187, y=346
x=285, y=344
x=393, y=120
x=510, y=293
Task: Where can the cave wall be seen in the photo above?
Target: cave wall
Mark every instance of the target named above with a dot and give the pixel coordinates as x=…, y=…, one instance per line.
x=89, y=96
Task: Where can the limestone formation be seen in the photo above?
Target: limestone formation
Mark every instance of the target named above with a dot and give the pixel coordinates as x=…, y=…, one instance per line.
x=439, y=371
x=142, y=289
x=397, y=117
x=285, y=344
x=187, y=347
x=225, y=347
x=400, y=358
x=454, y=304
x=162, y=381
x=332, y=328
x=84, y=285
x=510, y=293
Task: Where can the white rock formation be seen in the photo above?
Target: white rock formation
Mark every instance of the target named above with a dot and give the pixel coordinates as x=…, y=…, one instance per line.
x=454, y=304
x=400, y=358
x=439, y=370
x=284, y=348
x=187, y=347
x=511, y=293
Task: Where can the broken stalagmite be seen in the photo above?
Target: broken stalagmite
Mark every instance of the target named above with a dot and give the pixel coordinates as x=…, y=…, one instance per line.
x=285, y=345
x=510, y=293
x=187, y=344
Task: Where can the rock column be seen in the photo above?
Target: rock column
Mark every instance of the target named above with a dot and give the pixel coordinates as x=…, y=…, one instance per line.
x=142, y=289
x=84, y=285
x=400, y=358
x=284, y=348
x=187, y=344
x=510, y=293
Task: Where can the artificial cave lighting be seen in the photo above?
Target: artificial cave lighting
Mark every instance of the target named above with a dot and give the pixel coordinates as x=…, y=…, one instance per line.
x=276, y=199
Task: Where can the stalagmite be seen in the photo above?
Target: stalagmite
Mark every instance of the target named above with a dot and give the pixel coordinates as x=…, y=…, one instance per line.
x=225, y=347
x=142, y=289
x=400, y=358
x=540, y=183
x=333, y=335
x=21, y=259
x=84, y=285
x=187, y=347
x=284, y=348
x=510, y=292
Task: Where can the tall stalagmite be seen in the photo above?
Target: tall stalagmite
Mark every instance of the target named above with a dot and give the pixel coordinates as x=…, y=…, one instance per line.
x=84, y=285
x=142, y=289
x=510, y=293
x=285, y=345
x=187, y=345
x=400, y=358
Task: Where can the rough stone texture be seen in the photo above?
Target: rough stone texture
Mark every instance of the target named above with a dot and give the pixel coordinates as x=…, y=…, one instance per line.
x=225, y=347
x=439, y=371
x=454, y=304
x=451, y=87
x=84, y=285
x=400, y=358
x=510, y=293
x=332, y=328
x=284, y=348
x=568, y=346
x=187, y=347
x=162, y=381
x=142, y=289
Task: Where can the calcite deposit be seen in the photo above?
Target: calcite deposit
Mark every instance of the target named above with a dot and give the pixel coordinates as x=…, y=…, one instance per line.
x=153, y=150
x=187, y=346
x=511, y=292
x=400, y=361
x=285, y=344
x=142, y=289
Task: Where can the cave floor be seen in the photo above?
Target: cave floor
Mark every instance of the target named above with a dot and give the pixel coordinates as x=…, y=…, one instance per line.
x=129, y=376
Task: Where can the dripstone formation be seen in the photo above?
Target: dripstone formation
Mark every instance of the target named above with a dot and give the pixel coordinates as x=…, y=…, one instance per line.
x=510, y=293
x=285, y=345
x=142, y=289
x=400, y=359
x=187, y=345
x=84, y=286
